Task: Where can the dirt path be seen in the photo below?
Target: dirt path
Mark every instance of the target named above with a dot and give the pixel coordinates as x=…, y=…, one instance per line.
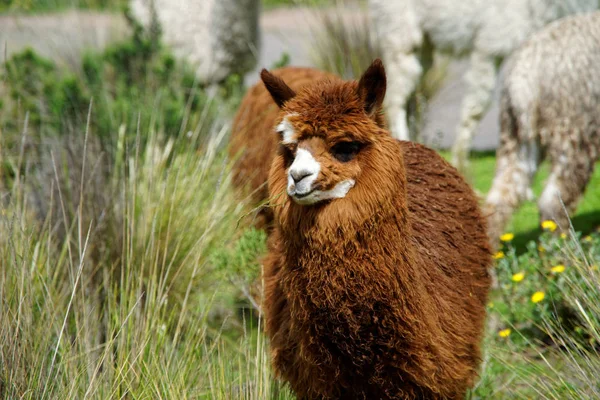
x=64, y=36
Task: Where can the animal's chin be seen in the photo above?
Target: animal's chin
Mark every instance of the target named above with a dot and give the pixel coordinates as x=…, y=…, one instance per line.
x=317, y=196
x=306, y=199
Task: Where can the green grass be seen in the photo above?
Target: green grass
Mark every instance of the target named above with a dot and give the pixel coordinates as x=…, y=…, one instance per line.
x=36, y=6
x=549, y=348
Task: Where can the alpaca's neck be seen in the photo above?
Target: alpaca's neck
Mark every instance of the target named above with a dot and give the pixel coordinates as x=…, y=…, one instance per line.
x=373, y=262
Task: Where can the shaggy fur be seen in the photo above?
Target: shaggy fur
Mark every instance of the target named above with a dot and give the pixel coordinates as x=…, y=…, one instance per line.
x=220, y=37
x=487, y=30
x=550, y=109
x=253, y=143
x=380, y=294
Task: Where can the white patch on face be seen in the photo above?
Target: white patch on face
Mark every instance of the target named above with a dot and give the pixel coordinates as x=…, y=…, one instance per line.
x=338, y=192
x=286, y=130
x=302, y=173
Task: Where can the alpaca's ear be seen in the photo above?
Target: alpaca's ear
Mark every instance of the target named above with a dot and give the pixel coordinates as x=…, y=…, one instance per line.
x=371, y=88
x=280, y=91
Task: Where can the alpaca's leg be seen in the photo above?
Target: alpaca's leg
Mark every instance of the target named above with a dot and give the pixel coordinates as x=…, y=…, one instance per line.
x=518, y=158
x=571, y=172
x=511, y=186
x=415, y=107
x=400, y=36
x=481, y=80
x=403, y=73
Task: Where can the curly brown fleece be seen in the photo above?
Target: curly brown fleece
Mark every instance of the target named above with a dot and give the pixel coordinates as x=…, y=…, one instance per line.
x=380, y=294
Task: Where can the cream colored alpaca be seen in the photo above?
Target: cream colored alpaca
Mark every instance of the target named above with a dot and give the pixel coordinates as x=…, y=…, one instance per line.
x=220, y=37
x=487, y=30
x=550, y=109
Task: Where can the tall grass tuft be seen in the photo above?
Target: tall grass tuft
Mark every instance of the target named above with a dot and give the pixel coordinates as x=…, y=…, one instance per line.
x=26, y=6
x=121, y=238
x=134, y=311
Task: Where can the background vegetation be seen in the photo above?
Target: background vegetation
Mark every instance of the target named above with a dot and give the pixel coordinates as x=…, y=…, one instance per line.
x=54, y=5
x=128, y=267
x=20, y=6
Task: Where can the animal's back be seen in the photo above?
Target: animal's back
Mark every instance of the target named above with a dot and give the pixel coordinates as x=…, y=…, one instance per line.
x=555, y=75
x=450, y=231
x=253, y=138
x=456, y=27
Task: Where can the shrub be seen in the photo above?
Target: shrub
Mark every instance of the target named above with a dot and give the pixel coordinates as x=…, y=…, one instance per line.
x=53, y=5
x=135, y=323
x=136, y=83
x=112, y=242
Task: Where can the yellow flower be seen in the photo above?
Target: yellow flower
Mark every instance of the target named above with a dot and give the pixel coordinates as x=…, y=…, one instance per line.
x=588, y=238
x=563, y=235
x=507, y=237
x=538, y=296
x=549, y=225
x=499, y=255
x=594, y=268
x=518, y=277
x=490, y=305
x=558, y=269
x=541, y=248
x=504, y=333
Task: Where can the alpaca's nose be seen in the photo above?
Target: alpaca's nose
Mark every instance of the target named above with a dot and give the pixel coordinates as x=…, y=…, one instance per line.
x=302, y=173
x=299, y=174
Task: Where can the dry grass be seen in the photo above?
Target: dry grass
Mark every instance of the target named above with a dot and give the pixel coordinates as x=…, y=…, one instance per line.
x=131, y=311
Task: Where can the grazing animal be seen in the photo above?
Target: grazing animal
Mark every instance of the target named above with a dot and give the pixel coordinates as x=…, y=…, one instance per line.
x=487, y=30
x=377, y=273
x=219, y=37
x=252, y=145
x=550, y=109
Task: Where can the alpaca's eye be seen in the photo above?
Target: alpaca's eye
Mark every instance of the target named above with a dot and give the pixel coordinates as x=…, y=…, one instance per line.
x=289, y=153
x=346, y=151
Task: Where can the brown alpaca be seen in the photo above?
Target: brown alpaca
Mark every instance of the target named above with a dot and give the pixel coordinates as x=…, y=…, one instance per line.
x=377, y=273
x=252, y=142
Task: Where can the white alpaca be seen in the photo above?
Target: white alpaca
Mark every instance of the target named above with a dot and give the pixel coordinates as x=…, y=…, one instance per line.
x=220, y=37
x=550, y=109
x=488, y=30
